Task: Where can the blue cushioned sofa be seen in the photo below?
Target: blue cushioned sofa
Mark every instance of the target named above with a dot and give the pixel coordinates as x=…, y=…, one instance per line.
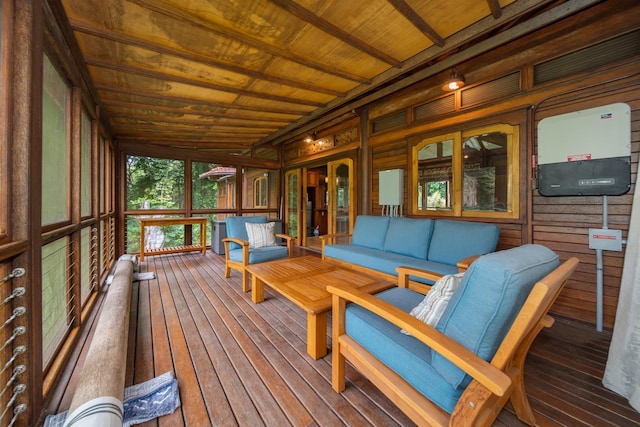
x=382, y=244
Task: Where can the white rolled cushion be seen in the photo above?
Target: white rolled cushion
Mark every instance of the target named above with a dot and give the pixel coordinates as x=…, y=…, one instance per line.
x=261, y=235
x=435, y=302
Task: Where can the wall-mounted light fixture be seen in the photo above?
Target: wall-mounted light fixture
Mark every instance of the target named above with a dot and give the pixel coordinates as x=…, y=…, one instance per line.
x=311, y=137
x=455, y=81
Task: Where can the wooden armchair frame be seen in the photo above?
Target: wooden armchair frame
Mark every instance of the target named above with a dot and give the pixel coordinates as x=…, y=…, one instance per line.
x=241, y=265
x=493, y=383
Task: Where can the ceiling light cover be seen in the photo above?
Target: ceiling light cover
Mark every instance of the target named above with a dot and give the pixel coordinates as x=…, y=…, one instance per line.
x=455, y=81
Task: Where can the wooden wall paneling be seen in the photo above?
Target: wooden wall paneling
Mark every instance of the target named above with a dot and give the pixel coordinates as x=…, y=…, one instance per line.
x=562, y=223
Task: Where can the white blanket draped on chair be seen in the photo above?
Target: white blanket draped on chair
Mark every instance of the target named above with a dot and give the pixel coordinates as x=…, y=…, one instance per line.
x=622, y=373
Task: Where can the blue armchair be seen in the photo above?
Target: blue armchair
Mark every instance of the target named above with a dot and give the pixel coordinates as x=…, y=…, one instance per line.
x=463, y=370
x=238, y=252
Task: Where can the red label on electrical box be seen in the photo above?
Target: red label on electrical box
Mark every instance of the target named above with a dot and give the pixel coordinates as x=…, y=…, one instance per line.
x=604, y=237
x=578, y=157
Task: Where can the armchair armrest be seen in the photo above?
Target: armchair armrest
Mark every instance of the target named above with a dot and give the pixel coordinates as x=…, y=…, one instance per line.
x=240, y=242
x=289, y=240
x=404, y=282
x=464, y=263
x=486, y=374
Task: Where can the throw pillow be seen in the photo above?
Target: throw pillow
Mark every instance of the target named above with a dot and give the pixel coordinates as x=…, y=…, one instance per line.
x=435, y=302
x=261, y=235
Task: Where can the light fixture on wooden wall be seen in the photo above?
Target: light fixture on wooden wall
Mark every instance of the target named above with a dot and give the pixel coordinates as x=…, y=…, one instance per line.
x=455, y=81
x=311, y=137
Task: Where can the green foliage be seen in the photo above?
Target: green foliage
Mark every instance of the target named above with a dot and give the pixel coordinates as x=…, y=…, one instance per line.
x=154, y=183
x=437, y=194
x=204, y=192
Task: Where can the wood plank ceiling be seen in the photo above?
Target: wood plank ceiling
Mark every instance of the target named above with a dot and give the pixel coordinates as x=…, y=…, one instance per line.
x=226, y=75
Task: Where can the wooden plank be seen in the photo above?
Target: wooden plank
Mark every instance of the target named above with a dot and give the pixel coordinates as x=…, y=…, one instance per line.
x=286, y=332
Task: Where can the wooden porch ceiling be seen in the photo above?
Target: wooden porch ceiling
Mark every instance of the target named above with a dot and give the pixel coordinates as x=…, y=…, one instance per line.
x=229, y=75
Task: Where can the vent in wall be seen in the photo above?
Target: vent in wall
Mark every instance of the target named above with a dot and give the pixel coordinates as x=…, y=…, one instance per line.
x=435, y=108
x=389, y=121
x=495, y=89
x=604, y=53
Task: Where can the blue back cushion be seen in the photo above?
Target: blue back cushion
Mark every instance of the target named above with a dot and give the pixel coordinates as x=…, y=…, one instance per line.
x=236, y=227
x=456, y=240
x=409, y=236
x=370, y=231
x=488, y=300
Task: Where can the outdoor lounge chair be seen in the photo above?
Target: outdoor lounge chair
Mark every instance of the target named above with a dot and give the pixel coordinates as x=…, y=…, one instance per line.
x=240, y=252
x=463, y=371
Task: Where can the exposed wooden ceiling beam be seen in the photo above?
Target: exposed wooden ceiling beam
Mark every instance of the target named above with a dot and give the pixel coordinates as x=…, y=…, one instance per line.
x=494, y=6
x=185, y=133
x=190, y=101
x=308, y=16
x=195, y=57
x=233, y=143
x=189, y=110
x=413, y=17
x=130, y=69
x=249, y=128
x=175, y=13
x=133, y=117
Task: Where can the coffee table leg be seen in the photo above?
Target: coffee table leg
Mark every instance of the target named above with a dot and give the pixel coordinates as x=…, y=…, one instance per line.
x=257, y=289
x=317, y=335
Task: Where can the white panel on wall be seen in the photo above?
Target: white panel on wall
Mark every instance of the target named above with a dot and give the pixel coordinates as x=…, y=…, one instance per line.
x=391, y=187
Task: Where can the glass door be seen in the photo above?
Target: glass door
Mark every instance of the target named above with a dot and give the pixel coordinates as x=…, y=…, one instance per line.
x=341, y=209
x=293, y=212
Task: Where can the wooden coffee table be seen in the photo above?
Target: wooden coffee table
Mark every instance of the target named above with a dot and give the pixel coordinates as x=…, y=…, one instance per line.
x=304, y=282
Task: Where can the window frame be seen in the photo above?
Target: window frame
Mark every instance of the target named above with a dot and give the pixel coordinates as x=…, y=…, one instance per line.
x=261, y=192
x=416, y=143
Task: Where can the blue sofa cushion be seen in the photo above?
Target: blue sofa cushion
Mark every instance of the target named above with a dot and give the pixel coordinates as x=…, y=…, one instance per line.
x=385, y=262
x=236, y=227
x=256, y=255
x=404, y=354
x=409, y=236
x=456, y=240
x=370, y=231
x=487, y=302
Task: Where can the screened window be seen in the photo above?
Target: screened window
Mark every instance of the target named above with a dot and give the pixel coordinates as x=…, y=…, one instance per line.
x=85, y=165
x=467, y=173
x=212, y=186
x=55, y=305
x=4, y=101
x=154, y=183
x=55, y=147
x=260, y=188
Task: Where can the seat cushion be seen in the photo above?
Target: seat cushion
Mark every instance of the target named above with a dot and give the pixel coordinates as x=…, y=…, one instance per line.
x=236, y=227
x=488, y=300
x=455, y=240
x=386, y=262
x=404, y=354
x=370, y=231
x=266, y=253
x=409, y=236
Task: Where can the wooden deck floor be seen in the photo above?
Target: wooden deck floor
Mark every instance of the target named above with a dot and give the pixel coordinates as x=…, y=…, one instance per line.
x=239, y=363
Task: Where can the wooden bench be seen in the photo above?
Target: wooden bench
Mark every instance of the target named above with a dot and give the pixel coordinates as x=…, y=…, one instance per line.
x=147, y=222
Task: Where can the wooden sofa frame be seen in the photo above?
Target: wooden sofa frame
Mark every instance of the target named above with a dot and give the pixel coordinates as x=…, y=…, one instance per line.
x=493, y=383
